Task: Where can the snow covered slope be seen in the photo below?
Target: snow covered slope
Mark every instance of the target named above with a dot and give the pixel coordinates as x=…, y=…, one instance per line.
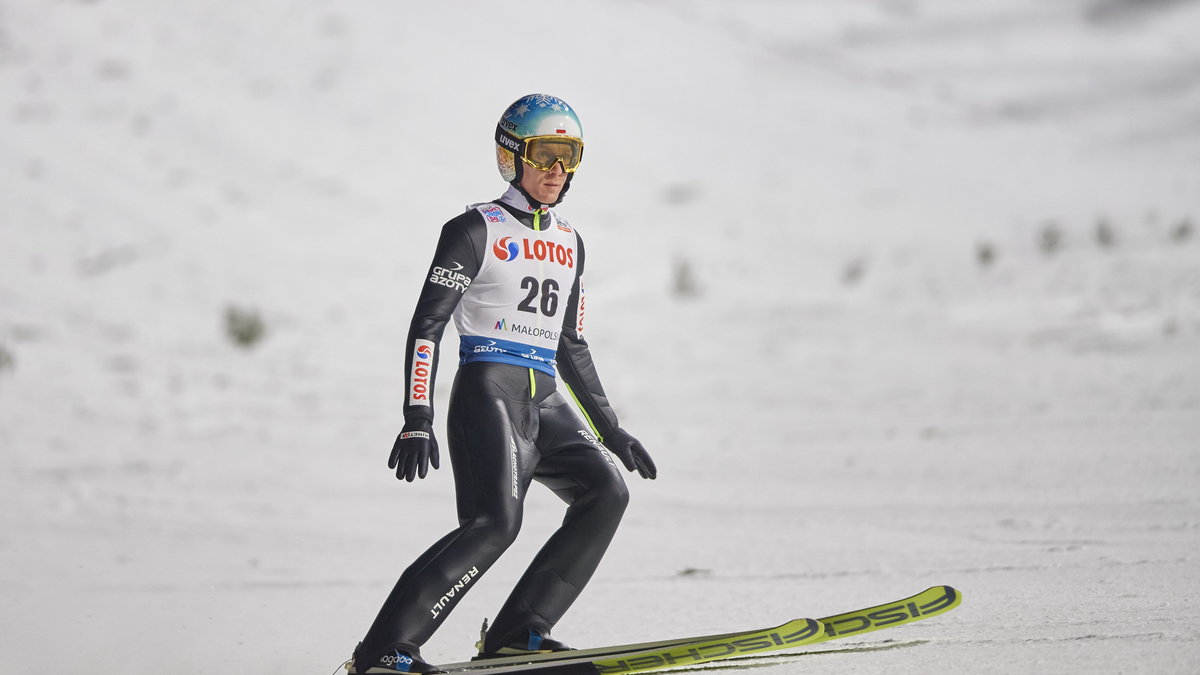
x=940, y=322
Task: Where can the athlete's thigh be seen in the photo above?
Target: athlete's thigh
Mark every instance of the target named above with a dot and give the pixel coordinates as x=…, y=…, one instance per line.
x=488, y=434
x=573, y=461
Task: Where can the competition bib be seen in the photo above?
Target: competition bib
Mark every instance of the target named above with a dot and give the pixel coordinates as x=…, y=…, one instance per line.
x=513, y=310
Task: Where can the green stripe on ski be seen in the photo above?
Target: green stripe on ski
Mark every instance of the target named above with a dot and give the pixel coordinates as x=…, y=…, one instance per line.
x=792, y=634
x=927, y=603
x=930, y=602
x=592, y=652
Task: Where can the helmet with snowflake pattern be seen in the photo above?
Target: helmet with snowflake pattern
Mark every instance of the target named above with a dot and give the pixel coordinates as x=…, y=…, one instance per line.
x=538, y=131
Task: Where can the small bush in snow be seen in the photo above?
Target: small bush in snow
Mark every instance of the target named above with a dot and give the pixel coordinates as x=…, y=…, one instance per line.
x=1183, y=231
x=985, y=254
x=684, y=284
x=7, y=362
x=1050, y=240
x=245, y=327
x=681, y=194
x=854, y=271
x=1106, y=236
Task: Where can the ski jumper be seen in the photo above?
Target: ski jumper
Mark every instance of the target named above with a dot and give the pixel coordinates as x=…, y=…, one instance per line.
x=510, y=276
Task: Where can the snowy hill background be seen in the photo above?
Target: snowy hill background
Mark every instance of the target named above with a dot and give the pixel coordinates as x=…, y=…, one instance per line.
x=896, y=292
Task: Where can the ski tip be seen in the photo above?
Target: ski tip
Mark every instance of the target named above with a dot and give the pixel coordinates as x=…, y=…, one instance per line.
x=953, y=595
x=930, y=602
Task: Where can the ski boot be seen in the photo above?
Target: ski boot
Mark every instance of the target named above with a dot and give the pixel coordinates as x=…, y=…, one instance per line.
x=396, y=662
x=534, y=643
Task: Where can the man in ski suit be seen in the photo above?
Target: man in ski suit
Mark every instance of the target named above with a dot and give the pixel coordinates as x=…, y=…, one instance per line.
x=509, y=272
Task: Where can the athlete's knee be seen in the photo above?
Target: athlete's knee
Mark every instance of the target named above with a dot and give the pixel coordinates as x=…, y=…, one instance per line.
x=621, y=493
x=612, y=494
x=498, y=531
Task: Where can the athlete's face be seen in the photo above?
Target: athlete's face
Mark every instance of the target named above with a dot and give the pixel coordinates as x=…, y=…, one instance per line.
x=544, y=186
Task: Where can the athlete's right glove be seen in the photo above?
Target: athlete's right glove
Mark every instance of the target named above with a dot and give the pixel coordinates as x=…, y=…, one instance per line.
x=414, y=450
x=631, y=452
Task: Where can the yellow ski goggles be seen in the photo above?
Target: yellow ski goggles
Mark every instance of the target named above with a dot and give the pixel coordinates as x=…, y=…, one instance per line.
x=543, y=152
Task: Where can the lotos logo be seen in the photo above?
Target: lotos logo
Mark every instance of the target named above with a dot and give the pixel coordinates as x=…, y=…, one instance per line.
x=582, y=303
x=506, y=249
x=547, y=251
x=421, y=373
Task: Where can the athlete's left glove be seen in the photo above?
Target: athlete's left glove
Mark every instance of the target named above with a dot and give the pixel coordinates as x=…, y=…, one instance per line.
x=631, y=452
x=415, y=449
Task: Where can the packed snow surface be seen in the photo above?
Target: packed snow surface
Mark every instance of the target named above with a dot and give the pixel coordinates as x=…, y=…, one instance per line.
x=897, y=293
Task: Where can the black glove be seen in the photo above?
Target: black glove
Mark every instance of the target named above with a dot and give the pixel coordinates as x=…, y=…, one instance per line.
x=631, y=452
x=415, y=449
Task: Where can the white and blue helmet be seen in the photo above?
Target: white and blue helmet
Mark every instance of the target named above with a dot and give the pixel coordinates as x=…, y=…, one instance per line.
x=536, y=116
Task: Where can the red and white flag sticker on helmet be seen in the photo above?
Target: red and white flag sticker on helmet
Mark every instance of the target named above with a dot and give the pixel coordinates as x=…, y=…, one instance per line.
x=422, y=373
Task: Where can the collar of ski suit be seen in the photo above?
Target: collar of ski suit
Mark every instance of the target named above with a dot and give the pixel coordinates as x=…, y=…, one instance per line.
x=513, y=197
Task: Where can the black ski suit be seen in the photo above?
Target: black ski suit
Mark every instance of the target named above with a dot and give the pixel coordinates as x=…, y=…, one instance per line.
x=507, y=424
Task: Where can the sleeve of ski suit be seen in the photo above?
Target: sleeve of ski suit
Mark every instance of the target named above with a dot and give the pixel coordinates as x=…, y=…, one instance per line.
x=455, y=264
x=575, y=364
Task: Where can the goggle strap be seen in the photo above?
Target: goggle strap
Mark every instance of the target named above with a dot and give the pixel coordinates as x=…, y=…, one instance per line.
x=510, y=142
